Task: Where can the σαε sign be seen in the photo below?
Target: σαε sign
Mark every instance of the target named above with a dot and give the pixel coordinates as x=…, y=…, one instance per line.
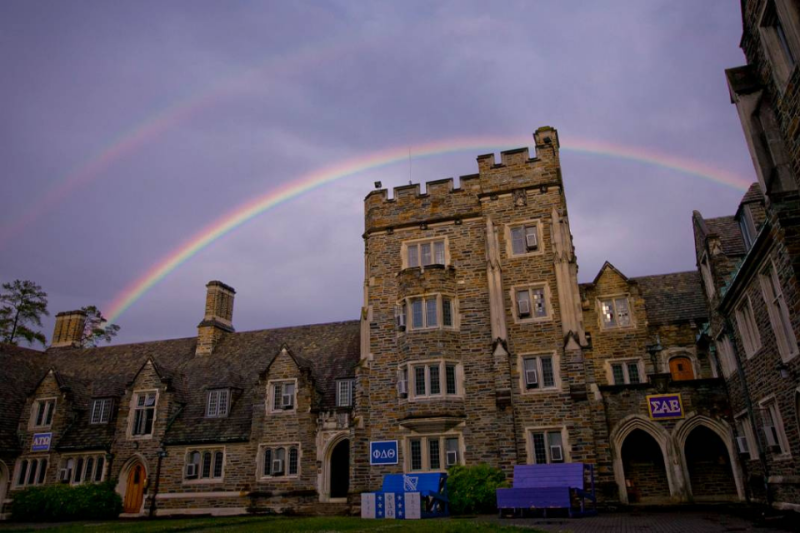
x=41, y=442
x=383, y=452
x=665, y=406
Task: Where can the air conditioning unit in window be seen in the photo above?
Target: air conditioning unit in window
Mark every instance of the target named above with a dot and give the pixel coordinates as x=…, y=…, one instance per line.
x=277, y=466
x=556, y=453
x=743, y=445
x=531, y=377
x=531, y=240
x=400, y=317
x=524, y=307
x=64, y=475
x=772, y=436
x=191, y=471
x=402, y=387
x=287, y=401
x=452, y=458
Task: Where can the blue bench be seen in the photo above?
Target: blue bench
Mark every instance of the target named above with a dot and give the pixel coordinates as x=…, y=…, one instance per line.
x=428, y=491
x=553, y=486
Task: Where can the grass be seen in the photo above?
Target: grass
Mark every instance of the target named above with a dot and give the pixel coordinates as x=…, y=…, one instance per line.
x=270, y=523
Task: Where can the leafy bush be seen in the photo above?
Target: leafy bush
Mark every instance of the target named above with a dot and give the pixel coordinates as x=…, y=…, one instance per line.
x=54, y=503
x=471, y=489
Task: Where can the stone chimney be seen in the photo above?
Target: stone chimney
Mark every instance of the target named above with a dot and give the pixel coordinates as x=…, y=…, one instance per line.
x=218, y=317
x=69, y=329
x=547, y=144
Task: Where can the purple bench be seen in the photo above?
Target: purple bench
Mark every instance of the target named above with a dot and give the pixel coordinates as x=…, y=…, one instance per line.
x=553, y=486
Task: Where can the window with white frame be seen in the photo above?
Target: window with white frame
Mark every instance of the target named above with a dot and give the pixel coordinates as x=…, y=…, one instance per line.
x=434, y=379
x=774, y=434
x=532, y=303
x=539, y=372
x=31, y=472
x=217, y=403
x=748, y=329
x=615, y=312
x=547, y=446
x=82, y=469
x=101, y=410
x=708, y=279
x=726, y=357
x=344, y=392
x=778, y=34
x=525, y=238
x=433, y=311
x=625, y=372
x=778, y=312
x=747, y=226
x=283, y=395
x=424, y=253
x=42, y=412
x=279, y=460
x=432, y=452
x=204, y=464
x=144, y=413
x=745, y=438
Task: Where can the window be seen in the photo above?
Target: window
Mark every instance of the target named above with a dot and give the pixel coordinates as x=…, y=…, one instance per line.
x=101, y=410
x=280, y=460
x=779, y=40
x=547, y=446
x=748, y=329
x=42, y=412
x=532, y=303
x=344, y=392
x=433, y=453
x=726, y=356
x=144, y=412
x=778, y=313
x=205, y=464
x=772, y=427
x=525, y=238
x=31, y=472
x=625, y=372
x=745, y=438
x=747, y=226
x=424, y=253
x=708, y=280
x=427, y=312
x=82, y=469
x=283, y=395
x=436, y=378
x=539, y=372
x=217, y=404
x=615, y=312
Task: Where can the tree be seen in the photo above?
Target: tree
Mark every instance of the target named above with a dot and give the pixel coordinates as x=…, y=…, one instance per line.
x=23, y=304
x=95, y=329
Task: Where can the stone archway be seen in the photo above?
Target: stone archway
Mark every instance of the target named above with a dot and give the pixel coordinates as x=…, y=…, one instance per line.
x=131, y=484
x=5, y=482
x=659, y=451
x=334, y=478
x=701, y=456
x=644, y=467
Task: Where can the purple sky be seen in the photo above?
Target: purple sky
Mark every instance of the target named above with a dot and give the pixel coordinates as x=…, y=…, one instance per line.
x=290, y=87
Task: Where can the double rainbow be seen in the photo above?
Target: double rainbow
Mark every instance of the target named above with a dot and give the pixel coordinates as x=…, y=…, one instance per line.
x=375, y=160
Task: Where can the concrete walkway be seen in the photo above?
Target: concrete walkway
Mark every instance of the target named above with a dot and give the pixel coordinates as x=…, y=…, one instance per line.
x=648, y=522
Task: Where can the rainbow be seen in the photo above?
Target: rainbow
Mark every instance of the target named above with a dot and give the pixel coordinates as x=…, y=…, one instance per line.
x=375, y=160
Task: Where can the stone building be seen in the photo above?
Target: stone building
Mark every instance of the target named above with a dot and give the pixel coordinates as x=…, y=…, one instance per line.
x=475, y=344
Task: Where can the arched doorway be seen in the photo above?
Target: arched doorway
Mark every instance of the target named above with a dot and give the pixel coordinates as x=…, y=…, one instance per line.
x=339, y=470
x=643, y=464
x=709, y=466
x=4, y=483
x=134, y=488
x=681, y=368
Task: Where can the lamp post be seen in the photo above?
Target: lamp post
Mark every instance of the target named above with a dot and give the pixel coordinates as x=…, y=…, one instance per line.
x=654, y=350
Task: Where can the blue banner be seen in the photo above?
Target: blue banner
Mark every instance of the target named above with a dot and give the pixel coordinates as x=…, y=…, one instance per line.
x=41, y=442
x=665, y=406
x=383, y=452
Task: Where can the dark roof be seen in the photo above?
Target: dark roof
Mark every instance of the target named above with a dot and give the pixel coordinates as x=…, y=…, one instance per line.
x=753, y=194
x=20, y=370
x=730, y=236
x=671, y=298
x=327, y=351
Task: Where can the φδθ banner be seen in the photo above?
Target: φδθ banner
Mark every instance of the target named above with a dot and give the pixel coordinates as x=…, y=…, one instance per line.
x=383, y=452
x=665, y=406
x=41, y=442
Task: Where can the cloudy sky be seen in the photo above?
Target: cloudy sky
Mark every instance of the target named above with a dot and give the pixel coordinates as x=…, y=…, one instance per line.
x=128, y=127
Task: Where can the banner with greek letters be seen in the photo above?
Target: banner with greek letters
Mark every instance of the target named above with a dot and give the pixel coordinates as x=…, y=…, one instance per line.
x=383, y=452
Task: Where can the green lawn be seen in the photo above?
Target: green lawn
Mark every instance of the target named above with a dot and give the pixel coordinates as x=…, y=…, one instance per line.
x=282, y=524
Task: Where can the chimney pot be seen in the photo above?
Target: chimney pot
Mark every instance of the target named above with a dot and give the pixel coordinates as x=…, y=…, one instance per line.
x=218, y=317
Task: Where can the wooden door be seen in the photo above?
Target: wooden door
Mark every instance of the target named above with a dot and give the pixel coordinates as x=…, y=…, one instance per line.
x=135, y=489
x=681, y=368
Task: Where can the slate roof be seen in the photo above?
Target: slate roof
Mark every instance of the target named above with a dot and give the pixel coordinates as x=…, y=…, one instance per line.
x=730, y=236
x=328, y=351
x=670, y=298
x=753, y=194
